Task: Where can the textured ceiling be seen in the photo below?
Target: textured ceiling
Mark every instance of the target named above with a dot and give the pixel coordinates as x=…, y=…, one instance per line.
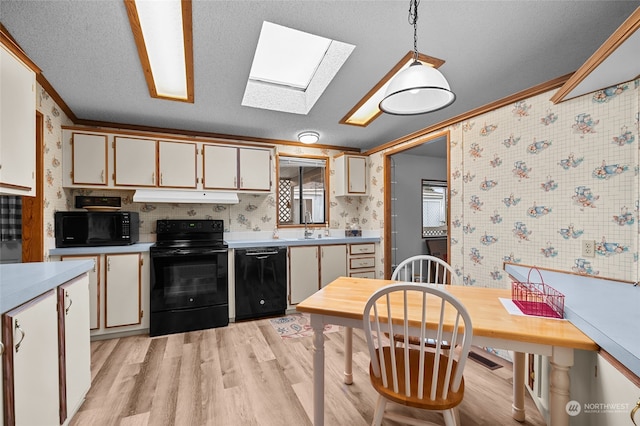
x=492, y=49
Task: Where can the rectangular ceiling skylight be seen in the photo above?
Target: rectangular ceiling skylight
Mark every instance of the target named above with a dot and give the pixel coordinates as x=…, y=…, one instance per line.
x=286, y=56
x=291, y=69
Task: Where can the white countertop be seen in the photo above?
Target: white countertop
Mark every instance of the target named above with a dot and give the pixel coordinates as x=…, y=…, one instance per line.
x=249, y=243
x=607, y=311
x=21, y=282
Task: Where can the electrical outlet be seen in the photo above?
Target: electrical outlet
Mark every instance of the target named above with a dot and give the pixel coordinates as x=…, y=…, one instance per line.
x=588, y=248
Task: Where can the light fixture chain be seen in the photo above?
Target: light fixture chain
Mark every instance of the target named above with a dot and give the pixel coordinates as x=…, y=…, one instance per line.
x=413, y=20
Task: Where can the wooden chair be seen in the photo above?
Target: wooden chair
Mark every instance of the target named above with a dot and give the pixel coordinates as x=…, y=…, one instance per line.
x=409, y=375
x=425, y=269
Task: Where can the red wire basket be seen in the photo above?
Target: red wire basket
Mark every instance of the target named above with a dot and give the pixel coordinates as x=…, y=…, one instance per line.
x=537, y=299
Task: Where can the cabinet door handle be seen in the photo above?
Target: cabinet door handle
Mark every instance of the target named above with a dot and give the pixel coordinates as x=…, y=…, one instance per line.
x=66, y=296
x=632, y=414
x=22, y=335
x=1, y=348
x=153, y=177
x=102, y=176
x=160, y=178
x=108, y=264
x=94, y=265
x=235, y=181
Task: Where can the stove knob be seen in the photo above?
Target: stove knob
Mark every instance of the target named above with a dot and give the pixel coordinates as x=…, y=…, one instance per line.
x=262, y=301
x=191, y=299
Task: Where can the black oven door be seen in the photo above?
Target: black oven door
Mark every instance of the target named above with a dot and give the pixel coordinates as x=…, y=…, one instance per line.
x=187, y=278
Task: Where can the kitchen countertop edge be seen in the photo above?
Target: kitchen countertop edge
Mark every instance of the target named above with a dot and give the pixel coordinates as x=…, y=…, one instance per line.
x=70, y=251
x=288, y=242
x=21, y=282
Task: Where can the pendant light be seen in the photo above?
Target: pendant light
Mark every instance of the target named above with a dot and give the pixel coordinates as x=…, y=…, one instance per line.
x=419, y=88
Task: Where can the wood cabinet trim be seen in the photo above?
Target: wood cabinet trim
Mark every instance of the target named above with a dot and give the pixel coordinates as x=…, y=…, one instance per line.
x=62, y=354
x=620, y=367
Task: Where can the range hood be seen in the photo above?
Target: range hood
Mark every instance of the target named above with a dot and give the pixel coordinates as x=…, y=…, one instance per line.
x=184, y=197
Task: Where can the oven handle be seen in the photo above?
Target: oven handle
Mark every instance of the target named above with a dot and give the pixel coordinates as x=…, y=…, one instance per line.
x=183, y=252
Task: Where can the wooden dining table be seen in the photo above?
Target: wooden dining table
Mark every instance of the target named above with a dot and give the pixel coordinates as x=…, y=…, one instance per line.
x=342, y=303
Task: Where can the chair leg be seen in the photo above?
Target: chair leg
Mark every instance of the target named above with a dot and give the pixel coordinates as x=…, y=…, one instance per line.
x=379, y=413
x=451, y=417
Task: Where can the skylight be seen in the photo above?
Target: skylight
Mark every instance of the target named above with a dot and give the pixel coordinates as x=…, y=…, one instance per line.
x=286, y=56
x=291, y=69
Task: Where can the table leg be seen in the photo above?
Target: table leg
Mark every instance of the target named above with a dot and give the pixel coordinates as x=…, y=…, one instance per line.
x=318, y=370
x=559, y=382
x=348, y=355
x=517, y=407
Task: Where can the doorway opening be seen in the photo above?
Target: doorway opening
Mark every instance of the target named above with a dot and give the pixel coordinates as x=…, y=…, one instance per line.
x=405, y=169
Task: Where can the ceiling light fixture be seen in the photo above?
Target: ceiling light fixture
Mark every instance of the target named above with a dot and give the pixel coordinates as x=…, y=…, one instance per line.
x=418, y=89
x=309, y=137
x=367, y=109
x=163, y=35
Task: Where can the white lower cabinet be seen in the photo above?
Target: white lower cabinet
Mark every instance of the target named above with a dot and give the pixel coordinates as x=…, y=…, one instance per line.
x=94, y=288
x=31, y=362
x=302, y=281
x=122, y=290
x=333, y=263
x=73, y=312
x=117, y=285
x=330, y=262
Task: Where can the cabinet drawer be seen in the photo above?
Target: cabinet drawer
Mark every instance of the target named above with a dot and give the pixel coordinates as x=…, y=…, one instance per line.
x=367, y=274
x=362, y=248
x=362, y=262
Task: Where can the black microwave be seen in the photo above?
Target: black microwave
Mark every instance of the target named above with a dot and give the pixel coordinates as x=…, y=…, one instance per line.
x=85, y=229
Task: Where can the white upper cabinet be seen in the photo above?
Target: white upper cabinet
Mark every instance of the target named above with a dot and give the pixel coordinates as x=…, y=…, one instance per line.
x=255, y=169
x=177, y=162
x=232, y=168
x=89, y=159
x=17, y=126
x=220, y=167
x=135, y=162
x=350, y=175
x=92, y=158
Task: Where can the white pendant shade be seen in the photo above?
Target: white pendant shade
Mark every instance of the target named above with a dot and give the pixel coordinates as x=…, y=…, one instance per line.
x=417, y=90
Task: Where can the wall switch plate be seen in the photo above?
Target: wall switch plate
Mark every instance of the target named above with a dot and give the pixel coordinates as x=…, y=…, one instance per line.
x=588, y=248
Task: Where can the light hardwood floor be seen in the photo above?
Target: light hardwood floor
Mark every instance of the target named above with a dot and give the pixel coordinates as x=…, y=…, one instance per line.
x=245, y=374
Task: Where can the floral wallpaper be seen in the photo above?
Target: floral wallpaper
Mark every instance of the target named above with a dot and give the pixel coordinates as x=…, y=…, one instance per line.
x=55, y=197
x=531, y=181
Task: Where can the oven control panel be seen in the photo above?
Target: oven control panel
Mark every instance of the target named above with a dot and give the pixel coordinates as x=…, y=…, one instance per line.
x=188, y=226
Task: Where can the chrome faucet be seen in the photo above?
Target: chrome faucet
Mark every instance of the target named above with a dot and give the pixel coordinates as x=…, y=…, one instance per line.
x=307, y=218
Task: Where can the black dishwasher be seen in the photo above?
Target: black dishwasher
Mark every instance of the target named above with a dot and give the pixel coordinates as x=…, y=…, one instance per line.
x=260, y=282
